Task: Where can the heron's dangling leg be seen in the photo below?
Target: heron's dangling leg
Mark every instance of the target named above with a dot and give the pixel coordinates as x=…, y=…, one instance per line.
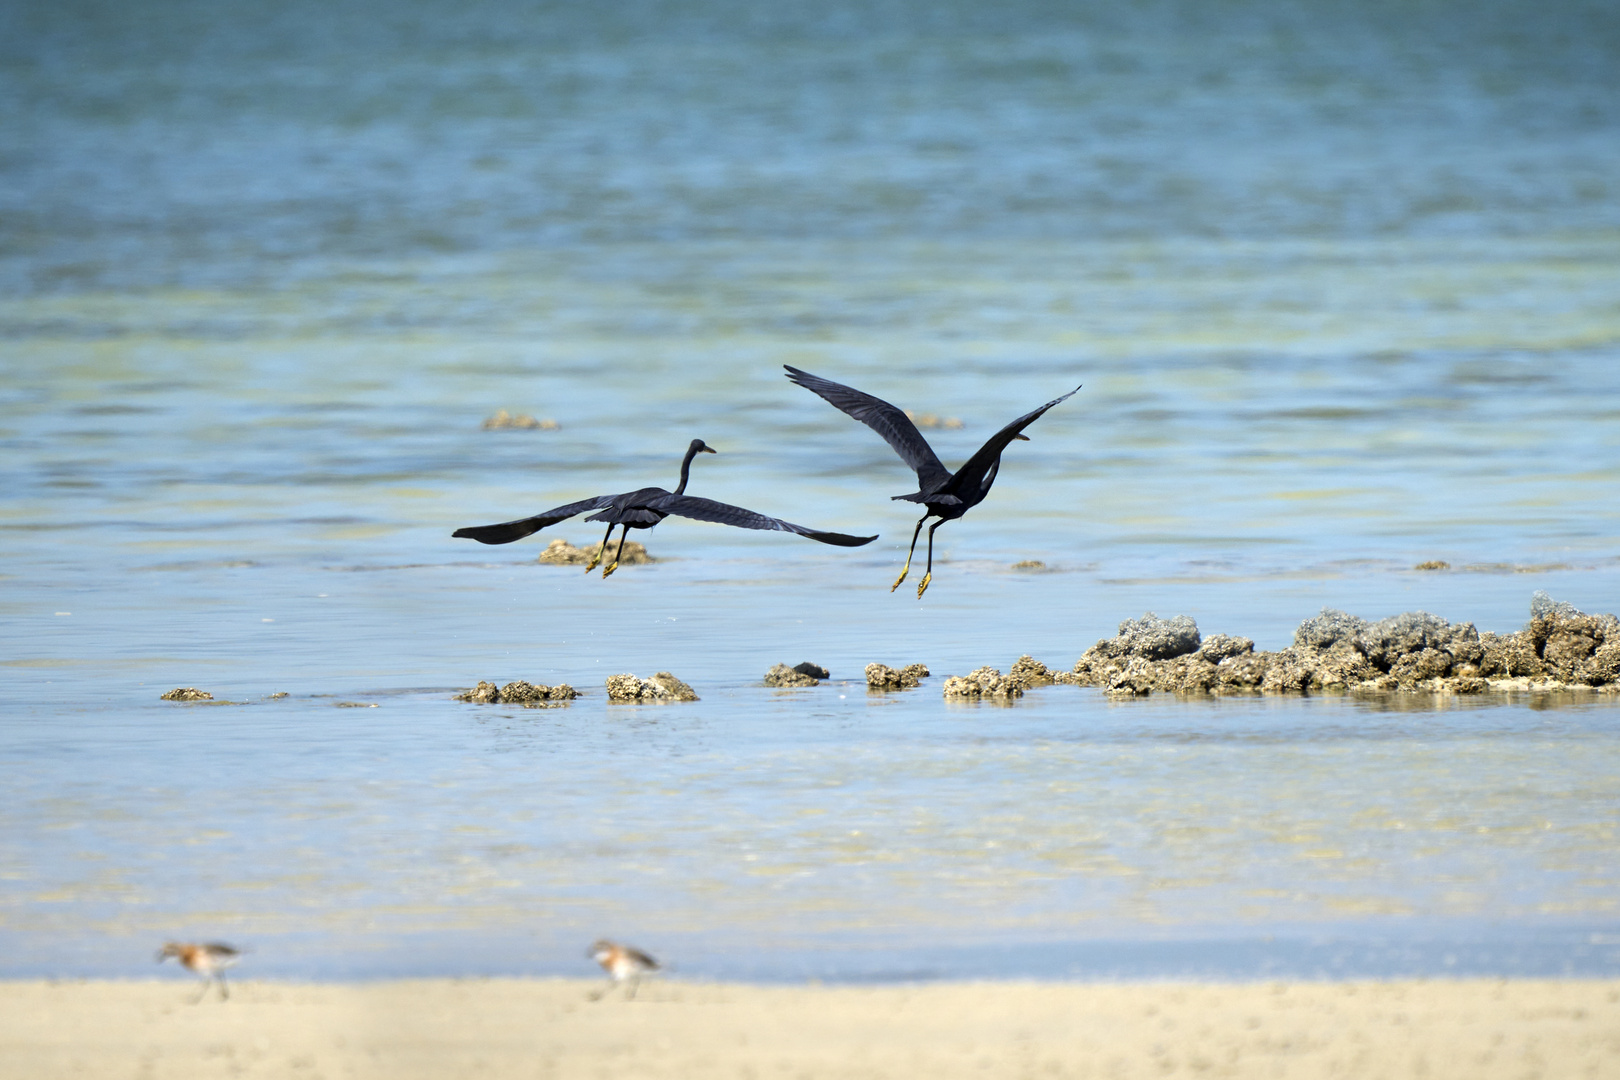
x=599, y=551
x=929, y=575
x=617, y=552
x=907, y=568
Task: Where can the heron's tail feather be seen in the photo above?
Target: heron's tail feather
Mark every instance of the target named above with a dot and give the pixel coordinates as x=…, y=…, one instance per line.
x=504, y=533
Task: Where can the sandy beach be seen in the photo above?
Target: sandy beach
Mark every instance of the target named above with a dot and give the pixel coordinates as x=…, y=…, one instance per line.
x=1476, y=1029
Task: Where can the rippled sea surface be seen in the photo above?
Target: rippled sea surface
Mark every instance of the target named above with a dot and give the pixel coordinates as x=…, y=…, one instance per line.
x=1342, y=287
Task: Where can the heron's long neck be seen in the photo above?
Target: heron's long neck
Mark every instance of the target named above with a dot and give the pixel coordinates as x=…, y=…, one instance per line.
x=686, y=469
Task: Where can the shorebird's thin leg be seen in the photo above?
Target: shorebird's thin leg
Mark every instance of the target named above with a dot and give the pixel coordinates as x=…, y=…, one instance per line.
x=929, y=576
x=600, y=994
x=907, y=568
x=618, y=551
x=202, y=992
x=224, y=991
x=635, y=984
x=600, y=551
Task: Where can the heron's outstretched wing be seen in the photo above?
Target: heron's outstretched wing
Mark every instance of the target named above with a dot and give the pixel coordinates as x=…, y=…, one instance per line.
x=689, y=506
x=895, y=426
x=508, y=531
x=973, y=472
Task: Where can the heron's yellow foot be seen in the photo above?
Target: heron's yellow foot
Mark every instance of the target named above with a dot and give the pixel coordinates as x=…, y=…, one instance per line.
x=609, y=570
x=923, y=586
x=904, y=570
x=592, y=564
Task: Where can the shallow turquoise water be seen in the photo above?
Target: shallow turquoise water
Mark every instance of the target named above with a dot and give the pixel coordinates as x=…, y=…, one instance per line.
x=1341, y=290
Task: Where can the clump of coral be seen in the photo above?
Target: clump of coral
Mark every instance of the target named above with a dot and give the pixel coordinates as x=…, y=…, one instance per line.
x=985, y=682
x=1416, y=651
x=561, y=553
x=519, y=692
x=1031, y=672
x=187, y=693
x=662, y=687
x=884, y=677
x=805, y=674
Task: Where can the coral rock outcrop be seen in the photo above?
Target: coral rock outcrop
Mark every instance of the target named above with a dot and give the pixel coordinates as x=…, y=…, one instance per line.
x=662, y=687
x=884, y=677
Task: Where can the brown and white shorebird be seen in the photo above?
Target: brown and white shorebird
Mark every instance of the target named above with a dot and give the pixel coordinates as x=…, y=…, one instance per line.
x=622, y=963
x=209, y=959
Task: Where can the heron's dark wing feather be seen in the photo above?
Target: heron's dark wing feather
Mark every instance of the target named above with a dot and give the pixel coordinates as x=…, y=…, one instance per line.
x=973, y=472
x=689, y=506
x=891, y=423
x=508, y=531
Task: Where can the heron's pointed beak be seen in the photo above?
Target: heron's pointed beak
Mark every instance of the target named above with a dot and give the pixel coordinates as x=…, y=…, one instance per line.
x=1024, y=438
x=710, y=450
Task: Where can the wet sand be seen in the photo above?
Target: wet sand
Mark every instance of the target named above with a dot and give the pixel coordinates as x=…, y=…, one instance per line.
x=1478, y=1029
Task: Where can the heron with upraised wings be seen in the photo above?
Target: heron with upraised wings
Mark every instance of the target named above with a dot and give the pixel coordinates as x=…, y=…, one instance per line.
x=947, y=495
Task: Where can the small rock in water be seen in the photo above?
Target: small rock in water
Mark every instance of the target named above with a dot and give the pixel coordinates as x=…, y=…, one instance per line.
x=815, y=671
x=518, y=692
x=187, y=693
x=985, y=682
x=485, y=693
x=1030, y=671
x=1031, y=566
x=503, y=420
x=883, y=677
x=354, y=704
x=661, y=687
x=781, y=675
x=1433, y=564
x=561, y=553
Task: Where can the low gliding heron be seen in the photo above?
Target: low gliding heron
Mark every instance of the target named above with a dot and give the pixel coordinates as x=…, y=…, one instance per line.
x=645, y=508
x=947, y=495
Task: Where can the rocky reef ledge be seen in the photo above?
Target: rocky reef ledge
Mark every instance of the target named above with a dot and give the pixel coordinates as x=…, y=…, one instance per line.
x=1560, y=648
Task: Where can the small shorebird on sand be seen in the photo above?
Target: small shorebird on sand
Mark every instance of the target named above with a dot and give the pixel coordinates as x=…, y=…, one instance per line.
x=622, y=963
x=210, y=959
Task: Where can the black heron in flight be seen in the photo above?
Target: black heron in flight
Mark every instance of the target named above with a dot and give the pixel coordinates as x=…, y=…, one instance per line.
x=947, y=495
x=645, y=508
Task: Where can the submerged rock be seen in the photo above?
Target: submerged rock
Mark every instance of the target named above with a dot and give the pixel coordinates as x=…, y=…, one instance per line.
x=660, y=688
x=985, y=682
x=561, y=553
x=187, y=693
x=930, y=420
x=815, y=671
x=782, y=675
x=883, y=677
x=519, y=692
x=503, y=420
